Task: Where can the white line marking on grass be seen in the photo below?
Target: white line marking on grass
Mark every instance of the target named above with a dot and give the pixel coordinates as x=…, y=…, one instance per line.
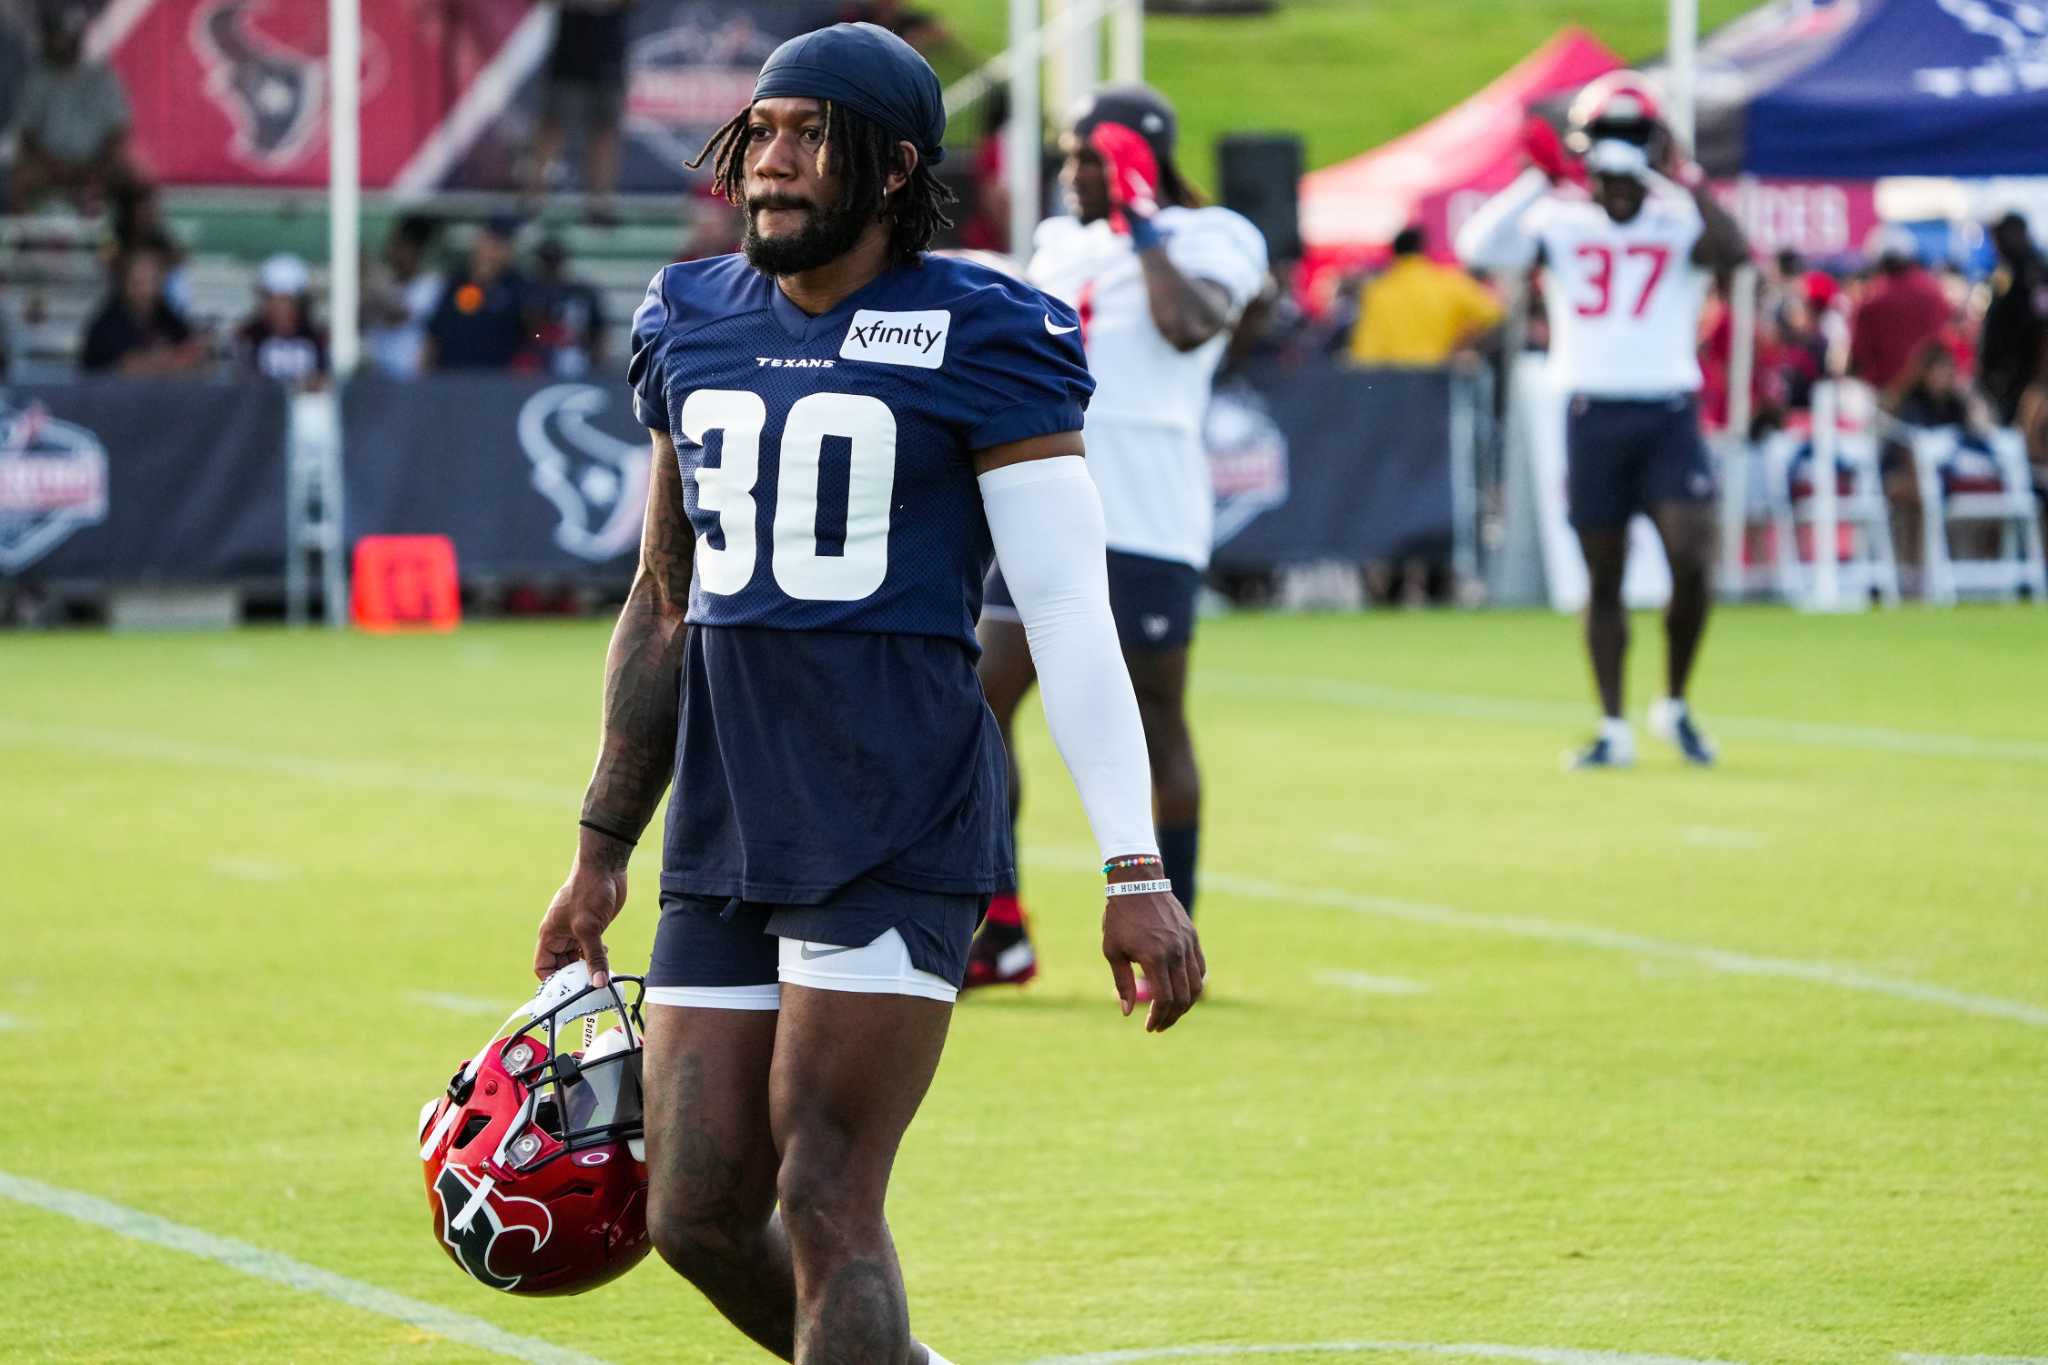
x=8, y=1022
x=280, y=1269
x=1372, y=985
x=1973, y=1360
x=251, y=870
x=1541, y=1355
x=1609, y=940
x=460, y=1004
x=130, y=745
x=125, y=744
x=1706, y=836
x=1358, y=843
x=1585, y=936
x=1869, y=738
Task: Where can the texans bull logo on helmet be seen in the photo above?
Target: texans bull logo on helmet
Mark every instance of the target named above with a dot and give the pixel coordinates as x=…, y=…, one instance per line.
x=534, y=1156
x=523, y=1224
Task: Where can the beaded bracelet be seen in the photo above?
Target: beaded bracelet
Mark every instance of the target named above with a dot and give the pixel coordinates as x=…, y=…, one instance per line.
x=1138, y=888
x=1132, y=860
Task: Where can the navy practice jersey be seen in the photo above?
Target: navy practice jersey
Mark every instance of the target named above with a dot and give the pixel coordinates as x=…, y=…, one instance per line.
x=831, y=726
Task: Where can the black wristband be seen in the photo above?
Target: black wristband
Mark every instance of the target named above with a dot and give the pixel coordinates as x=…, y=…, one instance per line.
x=609, y=833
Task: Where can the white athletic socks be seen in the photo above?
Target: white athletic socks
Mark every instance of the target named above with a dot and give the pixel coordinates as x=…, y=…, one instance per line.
x=1621, y=740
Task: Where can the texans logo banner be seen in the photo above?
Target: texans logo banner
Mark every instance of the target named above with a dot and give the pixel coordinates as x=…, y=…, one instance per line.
x=236, y=92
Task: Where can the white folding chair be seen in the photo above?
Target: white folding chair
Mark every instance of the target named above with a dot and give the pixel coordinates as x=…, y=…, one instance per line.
x=1987, y=484
x=1857, y=522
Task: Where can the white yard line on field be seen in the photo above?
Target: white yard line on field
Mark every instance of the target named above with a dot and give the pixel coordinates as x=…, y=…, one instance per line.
x=280, y=1269
x=1706, y=836
x=1539, y=1355
x=1586, y=936
x=1410, y=701
x=339, y=772
x=161, y=749
x=1372, y=985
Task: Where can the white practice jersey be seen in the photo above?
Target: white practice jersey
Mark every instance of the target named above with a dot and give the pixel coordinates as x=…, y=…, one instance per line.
x=1623, y=299
x=1144, y=425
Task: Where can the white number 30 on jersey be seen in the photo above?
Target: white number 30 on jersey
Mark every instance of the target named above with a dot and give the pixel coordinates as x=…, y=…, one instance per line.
x=728, y=491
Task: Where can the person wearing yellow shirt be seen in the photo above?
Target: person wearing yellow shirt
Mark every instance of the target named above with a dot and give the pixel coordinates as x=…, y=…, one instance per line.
x=1418, y=312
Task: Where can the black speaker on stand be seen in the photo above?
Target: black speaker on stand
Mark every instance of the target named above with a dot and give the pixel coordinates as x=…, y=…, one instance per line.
x=1259, y=175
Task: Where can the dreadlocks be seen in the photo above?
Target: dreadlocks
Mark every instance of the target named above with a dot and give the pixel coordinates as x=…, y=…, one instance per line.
x=863, y=154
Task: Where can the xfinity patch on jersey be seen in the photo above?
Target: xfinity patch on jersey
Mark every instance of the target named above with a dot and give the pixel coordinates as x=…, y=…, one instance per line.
x=898, y=338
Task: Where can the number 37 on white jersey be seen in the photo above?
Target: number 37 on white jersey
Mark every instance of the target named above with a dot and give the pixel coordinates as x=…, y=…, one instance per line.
x=1623, y=299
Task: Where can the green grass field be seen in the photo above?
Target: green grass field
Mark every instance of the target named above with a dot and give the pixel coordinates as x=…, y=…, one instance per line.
x=1735, y=1066
x=1347, y=74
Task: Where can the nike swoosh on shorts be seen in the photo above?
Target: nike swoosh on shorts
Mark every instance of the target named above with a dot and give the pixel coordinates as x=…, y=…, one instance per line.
x=807, y=954
x=1057, y=331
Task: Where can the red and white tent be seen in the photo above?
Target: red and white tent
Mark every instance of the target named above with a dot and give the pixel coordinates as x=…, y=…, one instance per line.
x=1435, y=174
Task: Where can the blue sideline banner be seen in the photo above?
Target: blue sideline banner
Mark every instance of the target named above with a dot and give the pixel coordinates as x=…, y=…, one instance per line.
x=529, y=478
x=142, y=481
x=1312, y=461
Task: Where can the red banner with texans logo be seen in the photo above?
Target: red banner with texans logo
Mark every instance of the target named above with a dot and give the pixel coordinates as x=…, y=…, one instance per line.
x=235, y=92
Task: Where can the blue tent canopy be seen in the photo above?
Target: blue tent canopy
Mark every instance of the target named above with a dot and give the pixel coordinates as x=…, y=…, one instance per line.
x=1857, y=89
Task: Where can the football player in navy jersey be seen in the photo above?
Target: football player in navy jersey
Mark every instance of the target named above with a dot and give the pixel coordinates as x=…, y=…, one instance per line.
x=844, y=429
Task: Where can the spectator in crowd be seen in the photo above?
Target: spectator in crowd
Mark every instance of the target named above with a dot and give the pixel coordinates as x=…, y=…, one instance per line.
x=71, y=124
x=584, y=94
x=1419, y=312
x=136, y=331
x=2014, y=341
x=400, y=293
x=570, y=313
x=483, y=319
x=1929, y=393
x=280, y=342
x=1902, y=308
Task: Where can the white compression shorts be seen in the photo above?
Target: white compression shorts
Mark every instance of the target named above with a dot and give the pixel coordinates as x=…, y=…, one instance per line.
x=881, y=968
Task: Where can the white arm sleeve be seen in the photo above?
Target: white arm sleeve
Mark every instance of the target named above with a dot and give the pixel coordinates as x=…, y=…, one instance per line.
x=1046, y=520
x=1495, y=236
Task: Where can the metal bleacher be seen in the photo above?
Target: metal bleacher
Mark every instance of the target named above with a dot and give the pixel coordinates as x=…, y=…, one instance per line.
x=54, y=266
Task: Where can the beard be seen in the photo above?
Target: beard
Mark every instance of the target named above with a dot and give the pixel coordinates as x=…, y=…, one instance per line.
x=827, y=234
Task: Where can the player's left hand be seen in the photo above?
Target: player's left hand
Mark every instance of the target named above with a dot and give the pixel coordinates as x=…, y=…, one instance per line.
x=1153, y=932
x=1129, y=167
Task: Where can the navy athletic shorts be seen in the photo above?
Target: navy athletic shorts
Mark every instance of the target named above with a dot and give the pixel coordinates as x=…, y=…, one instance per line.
x=704, y=941
x=1627, y=455
x=1153, y=600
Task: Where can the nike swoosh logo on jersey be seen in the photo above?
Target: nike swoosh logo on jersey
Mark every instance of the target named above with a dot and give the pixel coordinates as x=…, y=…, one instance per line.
x=809, y=955
x=1058, y=331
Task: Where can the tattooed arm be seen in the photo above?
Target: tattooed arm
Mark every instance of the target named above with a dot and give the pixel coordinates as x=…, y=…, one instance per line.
x=637, y=751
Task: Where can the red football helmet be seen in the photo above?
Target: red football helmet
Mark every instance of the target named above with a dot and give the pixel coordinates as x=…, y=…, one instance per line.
x=1621, y=105
x=536, y=1166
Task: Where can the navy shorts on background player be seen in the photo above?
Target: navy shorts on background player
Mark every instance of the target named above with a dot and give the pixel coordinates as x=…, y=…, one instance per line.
x=1626, y=455
x=1153, y=601
x=704, y=943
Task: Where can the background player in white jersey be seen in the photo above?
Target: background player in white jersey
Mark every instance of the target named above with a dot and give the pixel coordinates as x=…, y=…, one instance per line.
x=1623, y=286
x=1158, y=282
